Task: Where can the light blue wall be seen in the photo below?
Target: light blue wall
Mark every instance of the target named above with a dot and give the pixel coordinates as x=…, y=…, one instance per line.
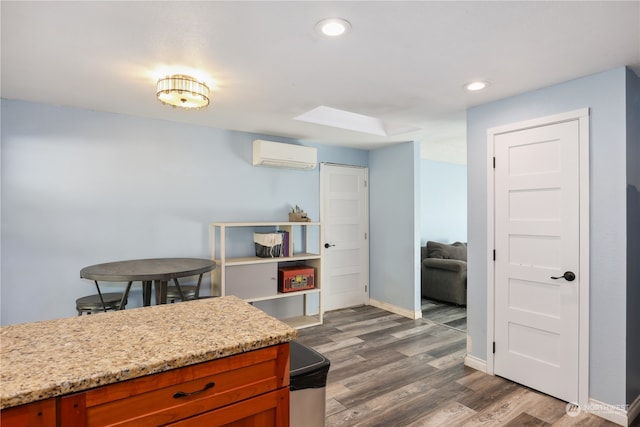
x=81, y=187
x=443, y=202
x=633, y=240
x=394, y=214
x=604, y=94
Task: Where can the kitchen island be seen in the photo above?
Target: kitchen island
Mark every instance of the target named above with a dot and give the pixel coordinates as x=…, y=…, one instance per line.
x=101, y=369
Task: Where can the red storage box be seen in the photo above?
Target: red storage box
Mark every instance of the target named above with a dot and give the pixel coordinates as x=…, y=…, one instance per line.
x=296, y=278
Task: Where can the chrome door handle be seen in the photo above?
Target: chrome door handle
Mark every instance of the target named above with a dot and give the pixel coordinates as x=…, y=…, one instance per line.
x=569, y=276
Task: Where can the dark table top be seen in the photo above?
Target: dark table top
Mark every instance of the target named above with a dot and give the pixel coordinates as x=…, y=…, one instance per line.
x=163, y=269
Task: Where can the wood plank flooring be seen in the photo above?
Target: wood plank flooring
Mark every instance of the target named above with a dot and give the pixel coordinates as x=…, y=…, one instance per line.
x=453, y=316
x=387, y=370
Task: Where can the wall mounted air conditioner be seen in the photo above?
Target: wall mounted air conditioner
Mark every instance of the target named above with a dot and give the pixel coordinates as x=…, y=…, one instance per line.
x=280, y=155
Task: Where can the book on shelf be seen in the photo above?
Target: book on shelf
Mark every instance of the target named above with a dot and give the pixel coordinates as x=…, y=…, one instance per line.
x=285, y=243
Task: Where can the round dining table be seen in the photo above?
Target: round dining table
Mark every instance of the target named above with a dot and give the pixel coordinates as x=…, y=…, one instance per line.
x=158, y=271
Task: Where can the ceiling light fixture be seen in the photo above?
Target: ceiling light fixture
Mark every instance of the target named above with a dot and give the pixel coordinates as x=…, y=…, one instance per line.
x=333, y=27
x=476, y=86
x=182, y=91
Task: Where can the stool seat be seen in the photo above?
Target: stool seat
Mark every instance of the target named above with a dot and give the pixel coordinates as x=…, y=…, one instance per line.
x=92, y=304
x=188, y=291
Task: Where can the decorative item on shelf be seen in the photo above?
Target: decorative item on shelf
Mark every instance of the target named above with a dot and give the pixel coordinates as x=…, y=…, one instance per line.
x=268, y=245
x=298, y=215
x=296, y=278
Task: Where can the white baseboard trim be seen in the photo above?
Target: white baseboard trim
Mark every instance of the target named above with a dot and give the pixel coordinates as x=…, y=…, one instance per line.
x=619, y=414
x=475, y=363
x=395, y=309
x=633, y=410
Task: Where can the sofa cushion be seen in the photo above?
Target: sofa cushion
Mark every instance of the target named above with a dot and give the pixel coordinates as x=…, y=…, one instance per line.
x=456, y=250
x=455, y=265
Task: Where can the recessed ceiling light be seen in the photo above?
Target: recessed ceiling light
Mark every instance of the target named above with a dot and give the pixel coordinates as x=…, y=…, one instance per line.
x=475, y=86
x=333, y=27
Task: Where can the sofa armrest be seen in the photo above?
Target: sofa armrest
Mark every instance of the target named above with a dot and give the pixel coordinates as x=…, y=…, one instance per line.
x=445, y=264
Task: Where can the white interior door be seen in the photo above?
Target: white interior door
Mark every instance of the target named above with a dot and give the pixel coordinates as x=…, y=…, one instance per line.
x=345, y=243
x=537, y=240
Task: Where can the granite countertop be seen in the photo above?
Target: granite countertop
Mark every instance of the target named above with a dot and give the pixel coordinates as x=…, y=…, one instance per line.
x=51, y=358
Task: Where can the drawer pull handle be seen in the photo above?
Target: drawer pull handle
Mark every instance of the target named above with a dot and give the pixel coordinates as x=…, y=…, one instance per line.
x=180, y=394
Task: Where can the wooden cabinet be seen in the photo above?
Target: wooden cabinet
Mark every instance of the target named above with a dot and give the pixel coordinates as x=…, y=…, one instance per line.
x=246, y=389
x=239, y=272
x=36, y=414
x=227, y=387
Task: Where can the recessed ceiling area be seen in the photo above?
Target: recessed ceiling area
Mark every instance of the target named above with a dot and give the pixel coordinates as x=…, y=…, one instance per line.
x=400, y=63
x=341, y=119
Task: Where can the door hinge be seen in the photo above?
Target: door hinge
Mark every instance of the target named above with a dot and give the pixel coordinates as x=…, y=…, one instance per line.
x=366, y=288
x=494, y=254
x=365, y=183
x=494, y=347
x=365, y=235
x=494, y=162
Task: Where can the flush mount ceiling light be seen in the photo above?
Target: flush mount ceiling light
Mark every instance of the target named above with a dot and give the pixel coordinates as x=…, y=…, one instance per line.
x=182, y=91
x=333, y=27
x=476, y=86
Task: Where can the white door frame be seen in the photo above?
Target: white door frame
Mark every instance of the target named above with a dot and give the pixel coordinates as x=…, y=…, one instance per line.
x=582, y=116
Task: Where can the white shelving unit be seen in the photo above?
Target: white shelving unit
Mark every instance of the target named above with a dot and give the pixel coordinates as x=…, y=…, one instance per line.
x=254, y=279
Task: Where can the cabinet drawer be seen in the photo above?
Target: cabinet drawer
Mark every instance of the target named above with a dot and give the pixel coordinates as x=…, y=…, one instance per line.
x=174, y=395
x=252, y=281
x=267, y=410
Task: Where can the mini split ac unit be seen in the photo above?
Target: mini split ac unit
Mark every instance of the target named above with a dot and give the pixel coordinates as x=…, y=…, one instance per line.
x=279, y=155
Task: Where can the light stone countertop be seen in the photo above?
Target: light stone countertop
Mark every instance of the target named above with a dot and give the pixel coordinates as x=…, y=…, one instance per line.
x=51, y=358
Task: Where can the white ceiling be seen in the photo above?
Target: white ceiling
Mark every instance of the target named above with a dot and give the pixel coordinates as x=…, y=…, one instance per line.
x=403, y=62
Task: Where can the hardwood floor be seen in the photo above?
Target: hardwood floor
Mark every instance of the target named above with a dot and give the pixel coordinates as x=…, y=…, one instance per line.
x=453, y=316
x=387, y=370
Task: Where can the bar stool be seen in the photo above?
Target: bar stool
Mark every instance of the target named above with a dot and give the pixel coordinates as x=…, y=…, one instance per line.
x=92, y=304
x=173, y=295
x=189, y=292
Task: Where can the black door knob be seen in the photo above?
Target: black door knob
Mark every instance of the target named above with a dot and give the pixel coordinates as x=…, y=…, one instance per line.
x=327, y=245
x=569, y=276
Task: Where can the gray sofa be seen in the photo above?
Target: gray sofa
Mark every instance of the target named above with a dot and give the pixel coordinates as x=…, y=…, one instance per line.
x=444, y=272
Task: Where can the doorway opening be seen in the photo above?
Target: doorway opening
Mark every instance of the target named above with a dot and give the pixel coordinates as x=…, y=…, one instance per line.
x=443, y=226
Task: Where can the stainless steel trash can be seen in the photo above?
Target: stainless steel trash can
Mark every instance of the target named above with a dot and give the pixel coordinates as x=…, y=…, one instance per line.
x=307, y=383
